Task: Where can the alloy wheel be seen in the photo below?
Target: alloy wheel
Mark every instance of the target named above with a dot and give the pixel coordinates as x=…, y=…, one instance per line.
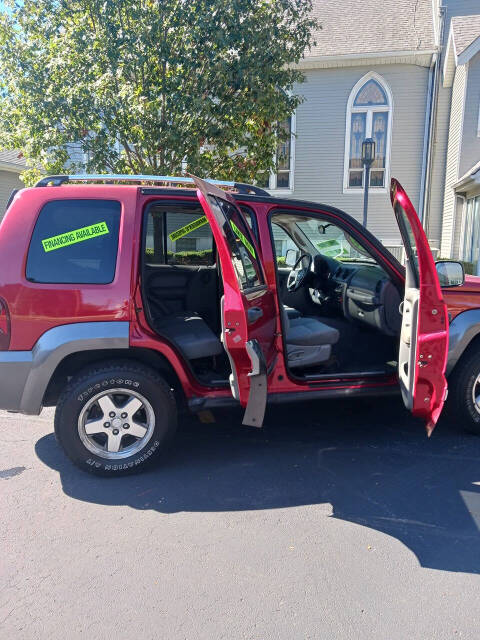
x=116, y=424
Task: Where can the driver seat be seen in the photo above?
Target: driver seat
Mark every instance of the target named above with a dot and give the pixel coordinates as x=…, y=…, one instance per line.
x=309, y=341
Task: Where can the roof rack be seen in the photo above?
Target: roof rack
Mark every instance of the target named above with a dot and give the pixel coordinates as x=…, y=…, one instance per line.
x=171, y=181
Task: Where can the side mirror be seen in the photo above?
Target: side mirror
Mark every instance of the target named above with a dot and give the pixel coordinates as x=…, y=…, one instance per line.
x=291, y=258
x=450, y=274
x=322, y=228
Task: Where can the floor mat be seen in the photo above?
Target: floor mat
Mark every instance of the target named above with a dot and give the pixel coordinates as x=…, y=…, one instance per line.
x=359, y=349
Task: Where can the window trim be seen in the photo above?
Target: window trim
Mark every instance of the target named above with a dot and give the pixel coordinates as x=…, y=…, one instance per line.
x=272, y=184
x=368, y=110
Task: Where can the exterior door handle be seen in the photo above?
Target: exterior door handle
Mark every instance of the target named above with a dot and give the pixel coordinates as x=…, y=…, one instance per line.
x=254, y=314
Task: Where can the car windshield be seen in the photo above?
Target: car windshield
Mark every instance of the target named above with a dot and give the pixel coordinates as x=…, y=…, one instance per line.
x=333, y=242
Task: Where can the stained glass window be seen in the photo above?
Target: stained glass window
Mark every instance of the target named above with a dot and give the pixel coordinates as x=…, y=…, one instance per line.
x=370, y=94
x=357, y=136
x=369, y=118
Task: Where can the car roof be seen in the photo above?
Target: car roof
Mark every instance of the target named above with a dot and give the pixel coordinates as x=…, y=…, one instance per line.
x=182, y=191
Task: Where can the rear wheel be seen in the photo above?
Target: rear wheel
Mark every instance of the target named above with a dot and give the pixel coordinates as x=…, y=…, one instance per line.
x=116, y=419
x=464, y=392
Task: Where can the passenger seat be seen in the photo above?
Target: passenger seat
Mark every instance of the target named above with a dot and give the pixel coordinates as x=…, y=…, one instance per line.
x=309, y=341
x=191, y=333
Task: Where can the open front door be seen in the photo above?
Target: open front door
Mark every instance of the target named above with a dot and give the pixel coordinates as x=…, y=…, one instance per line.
x=424, y=335
x=248, y=307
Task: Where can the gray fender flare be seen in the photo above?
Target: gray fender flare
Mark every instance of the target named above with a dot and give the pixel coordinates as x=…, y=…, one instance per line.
x=57, y=343
x=463, y=330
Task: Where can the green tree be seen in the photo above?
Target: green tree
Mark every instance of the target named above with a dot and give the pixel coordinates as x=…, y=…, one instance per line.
x=144, y=85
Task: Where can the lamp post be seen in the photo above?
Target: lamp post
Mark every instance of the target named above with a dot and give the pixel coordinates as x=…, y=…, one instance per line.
x=368, y=156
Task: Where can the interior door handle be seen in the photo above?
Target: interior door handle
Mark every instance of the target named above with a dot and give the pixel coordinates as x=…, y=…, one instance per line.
x=253, y=314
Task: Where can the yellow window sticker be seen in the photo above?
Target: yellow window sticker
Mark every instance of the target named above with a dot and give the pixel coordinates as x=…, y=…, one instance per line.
x=188, y=228
x=248, y=245
x=77, y=235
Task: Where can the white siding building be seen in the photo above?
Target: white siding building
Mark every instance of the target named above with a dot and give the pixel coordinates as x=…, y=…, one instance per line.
x=11, y=166
x=398, y=75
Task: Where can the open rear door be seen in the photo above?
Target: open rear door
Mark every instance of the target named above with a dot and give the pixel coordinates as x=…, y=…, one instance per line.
x=248, y=307
x=424, y=335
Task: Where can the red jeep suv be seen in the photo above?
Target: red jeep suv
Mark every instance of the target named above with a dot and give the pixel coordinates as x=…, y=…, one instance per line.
x=124, y=299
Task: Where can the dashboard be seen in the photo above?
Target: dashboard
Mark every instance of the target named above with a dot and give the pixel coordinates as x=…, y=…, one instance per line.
x=362, y=291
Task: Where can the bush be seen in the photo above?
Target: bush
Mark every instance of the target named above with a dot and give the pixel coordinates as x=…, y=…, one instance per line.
x=204, y=257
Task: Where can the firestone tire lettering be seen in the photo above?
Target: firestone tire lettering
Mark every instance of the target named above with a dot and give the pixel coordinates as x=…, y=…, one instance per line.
x=89, y=382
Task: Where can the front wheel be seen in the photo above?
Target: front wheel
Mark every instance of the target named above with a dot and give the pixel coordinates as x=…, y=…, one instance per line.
x=115, y=419
x=464, y=391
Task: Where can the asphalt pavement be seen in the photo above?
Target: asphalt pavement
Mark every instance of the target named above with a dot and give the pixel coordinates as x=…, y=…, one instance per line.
x=337, y=520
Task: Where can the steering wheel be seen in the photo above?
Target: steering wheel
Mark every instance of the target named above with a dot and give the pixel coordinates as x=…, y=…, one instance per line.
x=297, y=277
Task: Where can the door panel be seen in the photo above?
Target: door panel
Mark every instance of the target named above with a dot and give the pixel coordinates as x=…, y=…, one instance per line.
x=248, y=305
x=408, y=344
x=424, y=333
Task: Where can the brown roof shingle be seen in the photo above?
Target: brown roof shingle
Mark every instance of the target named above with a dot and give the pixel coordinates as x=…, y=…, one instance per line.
x=465, y=29
x=371, y=26
x=13, y=157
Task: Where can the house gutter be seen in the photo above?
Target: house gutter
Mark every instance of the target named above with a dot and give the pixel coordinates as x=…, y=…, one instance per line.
x=309, y=62
x=470, y=178
x=427, y=136
x=430, y=124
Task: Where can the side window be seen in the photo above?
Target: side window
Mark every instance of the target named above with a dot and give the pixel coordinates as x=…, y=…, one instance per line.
x=332, y=241
x=178, y=235
x=282, y=242
x=75, y=242
x=244, y=256
x=409, y=242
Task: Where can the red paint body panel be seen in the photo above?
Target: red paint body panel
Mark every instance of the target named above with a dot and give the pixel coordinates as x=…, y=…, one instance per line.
x=237, y=303
x=463, y=298
x=34, y=308
x=430, y=384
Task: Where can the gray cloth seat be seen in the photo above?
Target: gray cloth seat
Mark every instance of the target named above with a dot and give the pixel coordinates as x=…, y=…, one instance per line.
x=192, y=335
x=309, y=331
x=292, y=313
x=309, y=341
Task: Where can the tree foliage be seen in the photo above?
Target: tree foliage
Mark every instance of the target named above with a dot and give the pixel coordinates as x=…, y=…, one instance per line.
x=142, y=86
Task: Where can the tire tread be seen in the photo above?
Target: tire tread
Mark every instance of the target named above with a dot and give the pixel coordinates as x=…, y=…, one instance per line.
x=100, y=369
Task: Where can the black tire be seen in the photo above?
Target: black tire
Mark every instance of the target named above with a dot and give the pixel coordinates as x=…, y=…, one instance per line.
x=461, y=385
x=137, y=381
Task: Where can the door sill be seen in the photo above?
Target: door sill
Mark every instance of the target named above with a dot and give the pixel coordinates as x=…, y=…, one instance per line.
x=376, y=373
x=380, y=389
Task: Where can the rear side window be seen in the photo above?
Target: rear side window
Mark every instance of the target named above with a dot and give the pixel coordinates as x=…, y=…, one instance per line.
x=178, y=235
x=75, y=242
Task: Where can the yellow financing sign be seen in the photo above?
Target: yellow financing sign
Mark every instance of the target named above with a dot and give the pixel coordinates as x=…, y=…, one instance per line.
x=248, y=245
x=188, y=228
x=77, y=235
